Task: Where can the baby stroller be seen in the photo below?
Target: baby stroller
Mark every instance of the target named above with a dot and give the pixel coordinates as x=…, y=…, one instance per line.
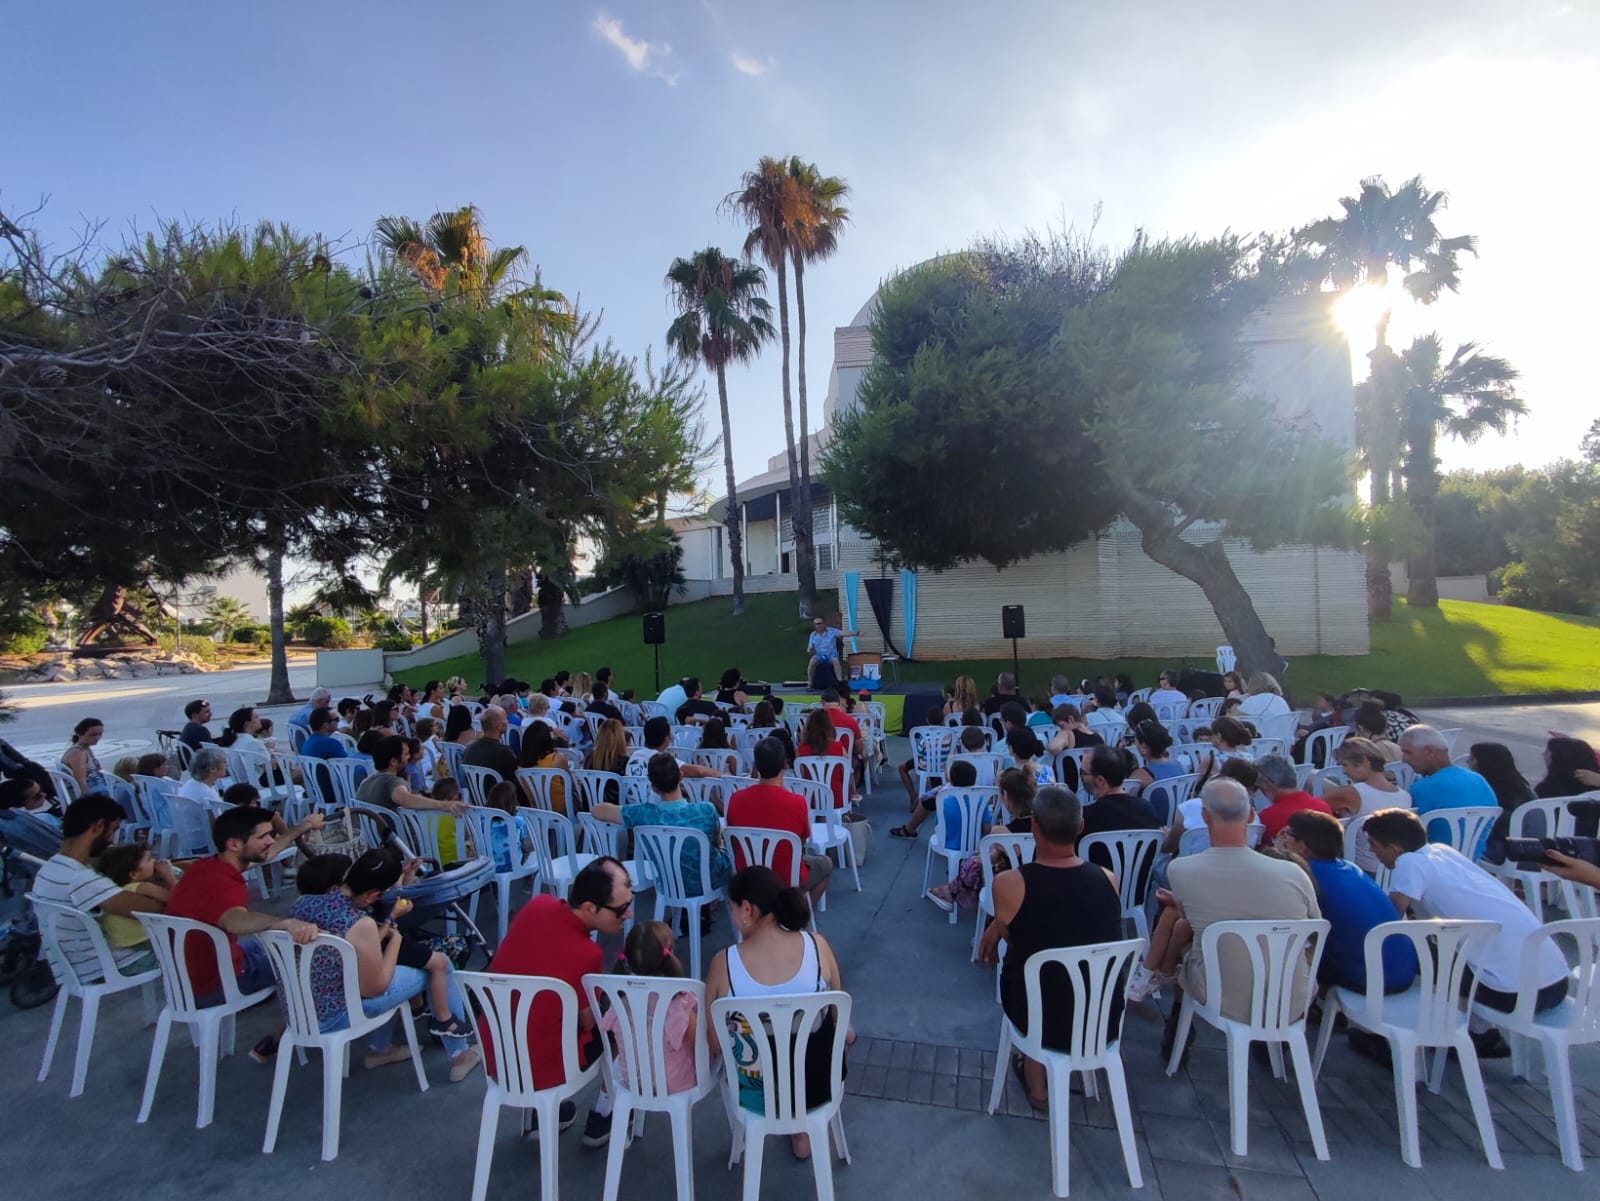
x=25, y=843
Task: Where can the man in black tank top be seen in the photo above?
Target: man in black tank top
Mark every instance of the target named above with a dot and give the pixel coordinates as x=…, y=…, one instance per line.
x=1058, y=900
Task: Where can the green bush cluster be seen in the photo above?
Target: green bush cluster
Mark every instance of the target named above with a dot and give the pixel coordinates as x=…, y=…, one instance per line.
x=330, y=632
x=26, y=635
x=253, y=636
x=395, y=642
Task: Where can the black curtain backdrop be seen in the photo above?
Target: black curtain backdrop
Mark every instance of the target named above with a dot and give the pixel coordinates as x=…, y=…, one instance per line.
x=880, y=595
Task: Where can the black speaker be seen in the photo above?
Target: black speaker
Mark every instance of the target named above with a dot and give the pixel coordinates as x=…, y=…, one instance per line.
x=1208, y=682
x=1012, y=622
x=655, y=629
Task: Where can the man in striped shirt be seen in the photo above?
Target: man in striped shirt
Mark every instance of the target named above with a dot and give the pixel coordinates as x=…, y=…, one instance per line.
x=89, y=827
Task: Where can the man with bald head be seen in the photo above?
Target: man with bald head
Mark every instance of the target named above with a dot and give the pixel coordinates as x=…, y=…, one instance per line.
x=1229, y=882
x=488, y=750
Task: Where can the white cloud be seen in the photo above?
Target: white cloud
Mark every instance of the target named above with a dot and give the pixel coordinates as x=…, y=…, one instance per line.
x=746, y=65
x=648, y=58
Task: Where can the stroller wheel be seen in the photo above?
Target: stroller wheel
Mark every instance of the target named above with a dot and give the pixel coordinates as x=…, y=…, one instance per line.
x=34, y=987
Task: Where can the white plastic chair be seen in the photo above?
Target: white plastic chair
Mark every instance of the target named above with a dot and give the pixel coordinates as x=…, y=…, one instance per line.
x=213, y=1025
x=593, y=787
x=828, y=831
x=759, y=845
x=1226, y=660
x=345, y=740
x=634, y=735
x=520, y=864
x=638, y=764
x=476, y=782
x=715, y=790
x=988, y=765
x=1018, y=850
x=1132, y=853
x=1466, y=826
x=1555, y=821
x=451, y=753
x=1403, y=774
x=291, y=964
x=782, y=1026
x=501, y=1004
x=1321, y=744
x=90, y=983
x=832, y=770
x=959, y=817
x=640, y=1004
x=1575, y=1022
x=538, y=784
x=555, y=849
x=346, y=775
x=1098, y=975
x=1079, y=758
x=930, y=747
x=686, y=738
x=66, y=785
x=663, y=848
x=1206, y=708
x=729, y=762
x=1427, y=1016
x=1278, y=958
x=1173, y=791
x=1450, y=737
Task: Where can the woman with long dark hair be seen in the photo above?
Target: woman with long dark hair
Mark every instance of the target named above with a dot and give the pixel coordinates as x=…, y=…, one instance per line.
x=1564, y=758
x=1495, y=763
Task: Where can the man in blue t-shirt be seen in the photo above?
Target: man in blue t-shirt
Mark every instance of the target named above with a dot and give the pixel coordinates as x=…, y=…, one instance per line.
x=1441, y=784
x=823, y=646
x=320, y=698
x=320, y=743
x=1351, y=902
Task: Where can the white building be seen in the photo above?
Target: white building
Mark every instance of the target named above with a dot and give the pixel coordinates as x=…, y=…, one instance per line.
x=1101, y=599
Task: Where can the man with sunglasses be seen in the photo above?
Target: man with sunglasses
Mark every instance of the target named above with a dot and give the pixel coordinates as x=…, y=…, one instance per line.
x=552, y=937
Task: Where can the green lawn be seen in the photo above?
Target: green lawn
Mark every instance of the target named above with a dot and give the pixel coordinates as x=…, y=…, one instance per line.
x=1460, y=649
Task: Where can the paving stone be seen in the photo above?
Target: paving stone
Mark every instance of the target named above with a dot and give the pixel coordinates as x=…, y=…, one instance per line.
x=943, y=1089
x=969, y=1093
x=947, y=1061
x=872, y=1078
x=1268, y=1150
x=896, y=1084
x=880, y=1052
x=902, y=1055
x=1183, y=1140
x=924, y=1058
x=920, y=1089
x=971, y=1062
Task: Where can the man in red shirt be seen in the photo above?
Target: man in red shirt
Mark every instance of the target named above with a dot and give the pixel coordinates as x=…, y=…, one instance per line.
x=770, y=806
x=1276, y=780
x=552, y=937
x=213, y=891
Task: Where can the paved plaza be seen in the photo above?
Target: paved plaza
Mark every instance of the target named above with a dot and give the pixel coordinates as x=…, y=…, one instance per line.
x=919, y=1078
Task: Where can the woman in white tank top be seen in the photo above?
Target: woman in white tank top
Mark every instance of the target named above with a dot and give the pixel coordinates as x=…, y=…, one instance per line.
x=777, y=957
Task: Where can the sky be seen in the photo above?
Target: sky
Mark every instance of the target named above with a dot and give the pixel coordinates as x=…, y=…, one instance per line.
x=602, y=138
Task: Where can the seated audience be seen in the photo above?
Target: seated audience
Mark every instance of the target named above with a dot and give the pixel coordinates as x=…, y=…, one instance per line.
x=1495, y=763
x=1369, y=790
x=1025, y=750
x=1351, y=903
x=670, y=809
x=458, y=729
x=695, y=710
x=488, y=750
x=1432, y=880
x=1058, y=900
x=88, y=830
x=1263, y=697
x=387, y=787
x=24, y=795
x=213, y=891
x=1229, y=736
x=1232, y=685
x=1016, y=793
x=1325, y=715
x=1276, y=779
x=539, y=750
x=730, y=688
x=1005, y=692
x=600, y=703
x=960, y=774
x=818, y=737
x=1166, y=692
x=320, y=698
x=1226, y=882
x=321, y=744
x=777, y=956
x=649, y=951
x=1112, y=808
x=610, y=750
x=552, y=937
x=207, y=766
x=769, y=805
x=1567, y=761
x=388, y=970
x=1441, y=784
x=79, y=760
x=194, y=732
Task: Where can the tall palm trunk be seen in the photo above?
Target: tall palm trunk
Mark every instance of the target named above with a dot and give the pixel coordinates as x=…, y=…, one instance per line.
x=804, y=545
x=731, y=518
x=278, y=690
x=1422, y=489
x=802, y=535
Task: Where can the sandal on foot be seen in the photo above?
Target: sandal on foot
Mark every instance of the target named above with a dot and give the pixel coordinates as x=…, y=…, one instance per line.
x=1019, y=1070
x=903, y=832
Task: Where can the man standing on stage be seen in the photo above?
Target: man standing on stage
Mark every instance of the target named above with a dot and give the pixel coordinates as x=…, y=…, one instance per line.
x=823, y=646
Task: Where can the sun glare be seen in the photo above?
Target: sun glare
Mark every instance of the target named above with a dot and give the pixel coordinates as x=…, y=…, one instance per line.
x=1358, y=311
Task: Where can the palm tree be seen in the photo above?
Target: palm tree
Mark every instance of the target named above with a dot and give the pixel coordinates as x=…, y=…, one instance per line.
x=1462, y=398
x=722, y=318
x=766, y=201
x=1383, y=229
x=451, y=256
x=227, y=613
x=814, y=236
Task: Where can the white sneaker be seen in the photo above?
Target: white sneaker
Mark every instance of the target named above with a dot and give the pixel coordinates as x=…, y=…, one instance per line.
x=1145, y=984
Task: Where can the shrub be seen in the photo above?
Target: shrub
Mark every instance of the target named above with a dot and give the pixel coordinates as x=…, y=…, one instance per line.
x=25, y=636
x=395, y=642
x=201, y=648
x=1540, y=585
x=330, y=632
x=253, y=636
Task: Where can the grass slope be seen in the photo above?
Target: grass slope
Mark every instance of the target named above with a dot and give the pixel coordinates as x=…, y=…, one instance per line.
x=1459, y=649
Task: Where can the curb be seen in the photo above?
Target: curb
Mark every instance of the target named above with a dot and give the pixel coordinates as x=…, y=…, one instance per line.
x=1483, y=702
